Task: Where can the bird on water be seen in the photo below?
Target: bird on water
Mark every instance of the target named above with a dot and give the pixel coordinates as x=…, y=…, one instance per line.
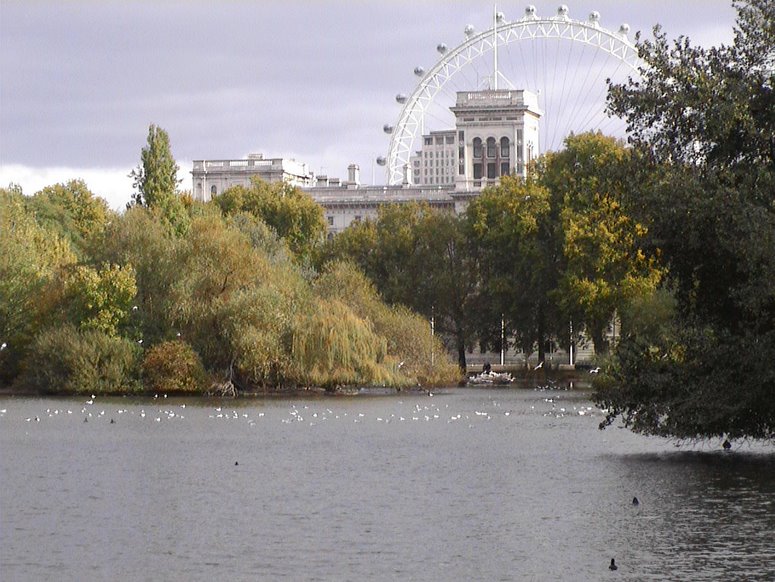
x=635, y=501
x=612, y=565
x=727, y=445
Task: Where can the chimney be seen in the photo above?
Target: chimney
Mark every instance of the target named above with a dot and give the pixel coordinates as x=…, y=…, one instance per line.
x=354, y=174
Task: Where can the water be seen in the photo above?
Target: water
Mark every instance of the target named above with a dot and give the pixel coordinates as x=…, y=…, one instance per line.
x=468, y=484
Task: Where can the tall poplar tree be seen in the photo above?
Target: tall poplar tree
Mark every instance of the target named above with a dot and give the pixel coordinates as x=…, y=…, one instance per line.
x=156, y=180
x=156, y=177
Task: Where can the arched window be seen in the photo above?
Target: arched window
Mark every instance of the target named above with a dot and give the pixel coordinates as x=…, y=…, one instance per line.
x=213, y=190
x=477, y=147
x=490, y=147
x=505, y=147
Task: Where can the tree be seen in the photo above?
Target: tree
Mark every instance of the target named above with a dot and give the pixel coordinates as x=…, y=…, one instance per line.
x=293, y=214
x=73, y=211
x=705, y=194
x=604, y=267
x=99, y=299
x=31, y=259
x=421, y=258
x=512, y=228
x=156, y=180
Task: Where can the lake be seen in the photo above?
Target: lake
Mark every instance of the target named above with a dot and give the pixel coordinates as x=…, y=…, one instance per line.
x=464, y=484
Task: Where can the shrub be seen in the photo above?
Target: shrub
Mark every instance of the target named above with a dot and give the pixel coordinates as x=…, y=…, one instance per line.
x=173, y=366
x=65, y=359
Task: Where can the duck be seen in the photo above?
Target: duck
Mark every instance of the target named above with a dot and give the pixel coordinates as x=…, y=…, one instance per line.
x=612, y=565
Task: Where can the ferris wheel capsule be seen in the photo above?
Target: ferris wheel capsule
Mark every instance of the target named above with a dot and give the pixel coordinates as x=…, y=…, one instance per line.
x=500, y=17
x=469, y=30
x=401, y=98
x=624, y=29
x=387, y=128
x=594, y=17
x=442, y=48
x=419, y=71
x=530, y=12
x=381, y=161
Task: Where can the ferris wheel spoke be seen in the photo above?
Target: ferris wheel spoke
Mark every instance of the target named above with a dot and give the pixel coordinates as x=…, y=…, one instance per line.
x=547, y=56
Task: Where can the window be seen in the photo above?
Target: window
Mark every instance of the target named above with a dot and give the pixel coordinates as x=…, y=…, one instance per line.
x=504, y=147
x=477, y=171
x=461, y=136
x=505, y=169
x=461, y=169
x=490, y=147
x=213, y=190
x=492, y=171
x=330, y=221
x=519, y=137
x=428, y=141
x=477, y=148
x=439, y=140
x=450, y=139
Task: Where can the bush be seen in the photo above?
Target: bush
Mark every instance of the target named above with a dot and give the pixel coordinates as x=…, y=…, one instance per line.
x=66, y=360
x=173, y=366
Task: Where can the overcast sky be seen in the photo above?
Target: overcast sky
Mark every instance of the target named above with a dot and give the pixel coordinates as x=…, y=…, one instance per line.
x=80, y=81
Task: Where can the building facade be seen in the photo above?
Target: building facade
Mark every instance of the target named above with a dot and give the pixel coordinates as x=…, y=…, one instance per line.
x=212, y=177
x=495, y=134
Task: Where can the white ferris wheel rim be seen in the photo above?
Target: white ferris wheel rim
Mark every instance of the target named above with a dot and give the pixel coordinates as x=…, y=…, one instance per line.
x=529, y=27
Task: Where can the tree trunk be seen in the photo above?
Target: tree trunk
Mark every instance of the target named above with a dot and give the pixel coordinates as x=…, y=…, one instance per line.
x=461, y=351
x=541, y=334
x=599, y=340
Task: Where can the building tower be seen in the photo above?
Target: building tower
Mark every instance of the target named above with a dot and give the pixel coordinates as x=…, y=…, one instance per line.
x=497, y=135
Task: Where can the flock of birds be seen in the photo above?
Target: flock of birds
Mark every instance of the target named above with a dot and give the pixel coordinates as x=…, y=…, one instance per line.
x=417, y=409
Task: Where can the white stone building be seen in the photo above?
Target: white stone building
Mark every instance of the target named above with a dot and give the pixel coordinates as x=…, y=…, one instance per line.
x=496, y=134
x=211, y=177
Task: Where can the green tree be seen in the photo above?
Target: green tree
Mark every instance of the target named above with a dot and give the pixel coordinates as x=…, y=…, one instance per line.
x=705, y=194
x=72, y=211
x=99, y=299
x=604, y=266
x=293, y=215
x=156, y=180
x=140, y=240
x=512, y=229
x=31, y=259
x=421, y=258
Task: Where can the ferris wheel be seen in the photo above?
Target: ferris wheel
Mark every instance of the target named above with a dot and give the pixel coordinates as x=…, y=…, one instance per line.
x=565, y=62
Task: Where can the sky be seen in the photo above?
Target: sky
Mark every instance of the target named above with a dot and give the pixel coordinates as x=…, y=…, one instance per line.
x=81, y=81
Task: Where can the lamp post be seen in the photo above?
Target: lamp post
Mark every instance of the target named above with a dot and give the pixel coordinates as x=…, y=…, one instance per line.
x=433, y=333
x=503, y=340
x=571, y=343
